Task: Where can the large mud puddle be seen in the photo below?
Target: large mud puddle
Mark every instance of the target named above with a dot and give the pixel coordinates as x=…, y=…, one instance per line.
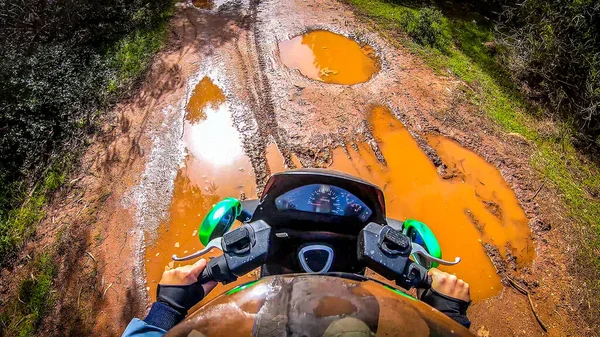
x=329, y=57
x=475, y=206
x=215, y=167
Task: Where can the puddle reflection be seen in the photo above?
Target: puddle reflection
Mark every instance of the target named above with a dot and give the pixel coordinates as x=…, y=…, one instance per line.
x=215, y=167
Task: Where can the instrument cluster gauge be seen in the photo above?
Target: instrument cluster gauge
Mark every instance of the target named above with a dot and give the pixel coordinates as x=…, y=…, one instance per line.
x=323, y=199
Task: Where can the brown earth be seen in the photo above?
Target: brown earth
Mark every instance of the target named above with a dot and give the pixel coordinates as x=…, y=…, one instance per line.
x=122, y=190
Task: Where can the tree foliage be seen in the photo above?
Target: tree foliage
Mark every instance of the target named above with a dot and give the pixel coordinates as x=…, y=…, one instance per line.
x=57, y=59
x=62, y=62
x=553, y=48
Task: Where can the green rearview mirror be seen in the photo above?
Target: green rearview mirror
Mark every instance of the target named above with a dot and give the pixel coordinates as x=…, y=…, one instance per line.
x=219, y=220
x=419, y=233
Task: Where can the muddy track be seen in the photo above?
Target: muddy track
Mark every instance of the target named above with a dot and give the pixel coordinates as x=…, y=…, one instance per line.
x=310, y=123
x=262, y=103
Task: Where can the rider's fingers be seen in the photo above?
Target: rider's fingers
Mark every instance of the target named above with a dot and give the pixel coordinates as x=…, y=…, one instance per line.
x=197, y=268
x=434, y=272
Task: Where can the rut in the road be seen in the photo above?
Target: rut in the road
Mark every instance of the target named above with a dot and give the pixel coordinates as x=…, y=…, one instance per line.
x=261, y=103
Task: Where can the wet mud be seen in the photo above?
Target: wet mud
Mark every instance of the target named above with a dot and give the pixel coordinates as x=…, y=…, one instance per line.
x=328, y=57
x=229, y=152
x=454, y=206
x=215, y=167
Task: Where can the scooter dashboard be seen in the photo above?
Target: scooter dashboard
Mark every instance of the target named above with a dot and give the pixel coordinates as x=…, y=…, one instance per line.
x=323, y=199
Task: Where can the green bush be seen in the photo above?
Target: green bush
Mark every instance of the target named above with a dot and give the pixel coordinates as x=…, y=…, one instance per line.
x=550, y=48
x=62, y=61
x=427, y=27
x=554, y=51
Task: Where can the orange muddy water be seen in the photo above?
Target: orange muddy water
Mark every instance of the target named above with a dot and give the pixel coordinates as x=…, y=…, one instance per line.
x=215, y=167
x=329, y=57
x=205, y=95
x=473, y=207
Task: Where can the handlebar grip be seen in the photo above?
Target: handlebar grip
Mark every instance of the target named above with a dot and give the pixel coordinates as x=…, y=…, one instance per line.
x=427, y=282
x=415, y=276
x=217, y=270
x=205, y=276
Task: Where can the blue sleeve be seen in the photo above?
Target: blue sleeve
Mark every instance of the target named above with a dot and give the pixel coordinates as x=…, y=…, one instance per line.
x=160, y=319
x=137, y=327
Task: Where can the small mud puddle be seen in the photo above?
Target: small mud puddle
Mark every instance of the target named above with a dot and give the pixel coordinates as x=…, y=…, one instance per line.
x=274, y=159
x=215, y=167
x=329, y=57
x=474, y=206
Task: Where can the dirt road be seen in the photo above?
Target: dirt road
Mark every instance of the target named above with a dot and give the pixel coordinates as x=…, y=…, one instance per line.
x=224, y=107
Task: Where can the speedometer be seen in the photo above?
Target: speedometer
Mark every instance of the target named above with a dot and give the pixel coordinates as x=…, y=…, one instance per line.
x=325, y=200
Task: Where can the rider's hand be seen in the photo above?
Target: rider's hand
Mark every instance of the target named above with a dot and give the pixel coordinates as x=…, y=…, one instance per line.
x=178, y=288
x=449, y=295
x=450, y=285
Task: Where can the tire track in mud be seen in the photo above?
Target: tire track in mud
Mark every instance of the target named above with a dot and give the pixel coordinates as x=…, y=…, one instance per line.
x=254, y=66
x=319, y=151
x=261, y=102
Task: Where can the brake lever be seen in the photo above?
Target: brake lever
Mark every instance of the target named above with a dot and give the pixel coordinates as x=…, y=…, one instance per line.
x=418, y=249
x=214, y=243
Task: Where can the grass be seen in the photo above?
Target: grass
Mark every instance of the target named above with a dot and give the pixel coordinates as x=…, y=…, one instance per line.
x=19, y=224
x=576, y=179
x=131, y=56
x=21, y=318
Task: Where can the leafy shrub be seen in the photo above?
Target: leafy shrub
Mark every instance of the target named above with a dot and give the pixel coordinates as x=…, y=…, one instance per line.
x=554, y=50
x=427, y=27
x=62, y=61
x=430, y=29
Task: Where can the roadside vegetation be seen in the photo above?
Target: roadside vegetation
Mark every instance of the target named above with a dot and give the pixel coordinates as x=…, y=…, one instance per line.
x=21, y=317
x=532, y=63
x=62, y=65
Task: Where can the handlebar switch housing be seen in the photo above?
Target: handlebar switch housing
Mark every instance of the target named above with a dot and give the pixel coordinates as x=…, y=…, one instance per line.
x=394, y=242
x=246, y=248
x=384, y=250
x=238, y=241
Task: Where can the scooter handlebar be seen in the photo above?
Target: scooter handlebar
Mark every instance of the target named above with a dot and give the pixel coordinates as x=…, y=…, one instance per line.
x=244, y=249
x=427, y=282
x=415, y=276
x=217, y=270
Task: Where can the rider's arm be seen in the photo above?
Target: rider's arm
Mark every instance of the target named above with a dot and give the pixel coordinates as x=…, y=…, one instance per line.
x=177, y=292
x=448, y=294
